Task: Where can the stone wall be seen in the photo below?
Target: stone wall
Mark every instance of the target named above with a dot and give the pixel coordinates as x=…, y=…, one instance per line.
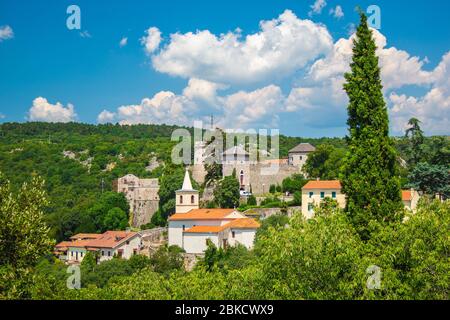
x=264, y=213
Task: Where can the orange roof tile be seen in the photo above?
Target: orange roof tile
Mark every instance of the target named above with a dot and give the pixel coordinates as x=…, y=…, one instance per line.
x=406, y=195
x=246, y=223
x=202, y=214
x=109, y=239
x=323, y=184
x=204, y=229
x=80, y=236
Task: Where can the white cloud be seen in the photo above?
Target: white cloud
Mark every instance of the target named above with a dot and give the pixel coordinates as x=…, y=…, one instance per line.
x=255, y=109
x=337, y=12
x=199, y=89
x=6, y=32
x=316, y=7
x=281, y=47
x=2, y=116
x=123, y=42
x=433, y=108
x=42, y=110
x=152, y=40
x=106, y=117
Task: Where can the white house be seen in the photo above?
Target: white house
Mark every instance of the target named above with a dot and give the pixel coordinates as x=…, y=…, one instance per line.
x=191, y=227
x=123, y=244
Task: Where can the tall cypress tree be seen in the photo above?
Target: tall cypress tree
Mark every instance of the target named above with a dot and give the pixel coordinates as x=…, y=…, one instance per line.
x=370, y=177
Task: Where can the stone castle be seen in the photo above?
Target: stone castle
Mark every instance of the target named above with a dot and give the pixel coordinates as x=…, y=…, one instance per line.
x=142, y=196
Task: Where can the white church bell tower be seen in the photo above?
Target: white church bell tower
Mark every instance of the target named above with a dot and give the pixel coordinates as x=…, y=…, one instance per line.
x=186, y=197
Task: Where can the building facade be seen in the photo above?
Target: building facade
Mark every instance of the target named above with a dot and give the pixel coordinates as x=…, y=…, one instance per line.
x=122, y=244
x=299, y=154
x=315, y=191
x=191, y=228
x=142, y=196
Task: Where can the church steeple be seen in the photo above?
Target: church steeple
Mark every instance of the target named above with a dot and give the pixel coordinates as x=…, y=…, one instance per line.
x=186, y=197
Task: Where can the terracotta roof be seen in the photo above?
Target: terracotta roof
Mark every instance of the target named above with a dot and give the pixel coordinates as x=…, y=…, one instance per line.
x=275, y=161
x=63, y=244
x=241, y=223
x=109, y=239
x=246, y=223
x=323, y=184
x=204, y=229
x=303, y=147
x=406, y=195
x=85, y=236
x=202, y=214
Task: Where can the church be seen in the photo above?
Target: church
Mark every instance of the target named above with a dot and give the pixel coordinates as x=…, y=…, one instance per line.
x=191, y=227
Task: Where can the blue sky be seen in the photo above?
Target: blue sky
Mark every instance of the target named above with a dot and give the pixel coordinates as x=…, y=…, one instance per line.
x=253, y=77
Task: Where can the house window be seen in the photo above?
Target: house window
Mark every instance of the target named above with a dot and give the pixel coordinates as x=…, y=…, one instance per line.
x=184, y=227
x=310, y=207
x=311, y=194
x=81, y=254
x=181, y=199
x=71, y=253
x=233, y=234
x=322, y=195
x=333, y=194
x=103, y=253
x=134, y=251
x=192, y=199
x=301, y=158
x=109, y=253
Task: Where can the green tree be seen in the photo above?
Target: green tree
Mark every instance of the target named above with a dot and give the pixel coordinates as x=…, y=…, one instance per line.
x=431, y=179
x=226, y=194
x=24, y=236
x=115, y=219
x=293, y=183
x=251, y=200
x=370, y=174
x=416, y=140
x=324, y=162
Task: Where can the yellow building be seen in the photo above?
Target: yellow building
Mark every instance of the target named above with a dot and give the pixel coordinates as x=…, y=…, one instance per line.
x=315, y=191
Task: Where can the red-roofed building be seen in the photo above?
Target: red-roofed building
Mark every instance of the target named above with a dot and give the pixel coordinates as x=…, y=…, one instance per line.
x=123, y=244
x=190, y=227
x=315, y=191
x=410, y=199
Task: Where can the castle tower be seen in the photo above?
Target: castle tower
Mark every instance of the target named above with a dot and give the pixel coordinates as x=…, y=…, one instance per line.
x=186, y=198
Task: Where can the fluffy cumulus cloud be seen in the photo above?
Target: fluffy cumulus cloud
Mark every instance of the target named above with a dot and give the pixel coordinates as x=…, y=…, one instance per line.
x=151, y=40
x=282, y=46
x=433, y=108
x=198, y=89
x=42, y=110
x=238, y=79
x=256, y=109
x=106, y=117
x=6, y=32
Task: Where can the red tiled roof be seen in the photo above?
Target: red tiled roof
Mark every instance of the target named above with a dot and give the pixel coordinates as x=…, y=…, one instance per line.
x=406, y=195
x=323, y=184
x=85, y=236
x=247, y=223
x=202, y=214
x=109, y=239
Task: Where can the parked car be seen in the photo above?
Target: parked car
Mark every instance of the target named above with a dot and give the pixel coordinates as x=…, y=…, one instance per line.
x=245, y=193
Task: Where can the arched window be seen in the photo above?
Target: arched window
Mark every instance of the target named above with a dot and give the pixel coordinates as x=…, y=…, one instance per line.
x=241, y=177
x=192, y=199
x=181, y=199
